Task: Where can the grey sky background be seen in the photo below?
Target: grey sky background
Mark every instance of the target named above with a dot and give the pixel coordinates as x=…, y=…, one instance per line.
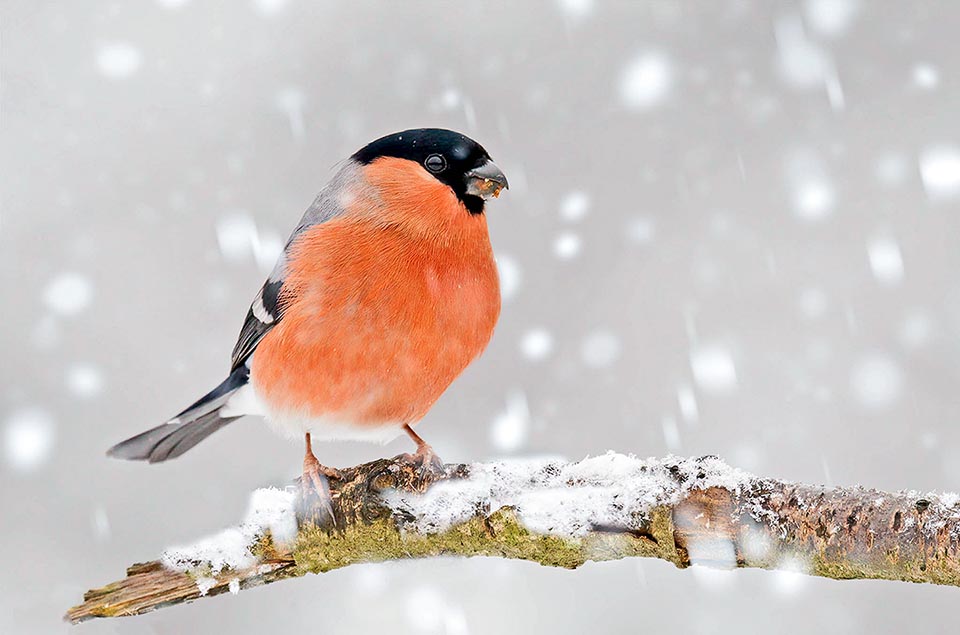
x=732, y=229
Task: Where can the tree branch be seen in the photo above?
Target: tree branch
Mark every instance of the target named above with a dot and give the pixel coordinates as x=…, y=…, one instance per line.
x=685, y=511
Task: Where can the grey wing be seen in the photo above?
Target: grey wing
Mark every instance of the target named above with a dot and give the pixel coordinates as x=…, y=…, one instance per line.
x=266, y=310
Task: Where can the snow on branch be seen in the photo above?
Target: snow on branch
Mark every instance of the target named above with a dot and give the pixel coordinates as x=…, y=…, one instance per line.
x=685, y=511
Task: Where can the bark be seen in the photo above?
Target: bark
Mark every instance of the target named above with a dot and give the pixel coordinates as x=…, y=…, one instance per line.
x=839, y=533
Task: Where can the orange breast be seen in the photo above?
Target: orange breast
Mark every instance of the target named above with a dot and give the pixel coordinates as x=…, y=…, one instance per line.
x=379, y=321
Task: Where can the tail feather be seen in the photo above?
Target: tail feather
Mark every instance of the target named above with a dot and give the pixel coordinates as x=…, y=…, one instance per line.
x=190, y=427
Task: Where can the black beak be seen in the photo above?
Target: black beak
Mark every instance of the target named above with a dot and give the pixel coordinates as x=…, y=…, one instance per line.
x=486, y=181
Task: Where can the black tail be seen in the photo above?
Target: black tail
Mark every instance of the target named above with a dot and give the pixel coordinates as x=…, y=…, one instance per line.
x=190, y=427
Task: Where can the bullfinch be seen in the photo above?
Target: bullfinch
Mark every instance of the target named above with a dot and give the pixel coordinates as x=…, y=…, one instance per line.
x=385, y=292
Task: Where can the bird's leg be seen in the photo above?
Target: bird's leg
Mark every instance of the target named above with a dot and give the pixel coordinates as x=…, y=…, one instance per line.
x=426, y=459
x=317, y=475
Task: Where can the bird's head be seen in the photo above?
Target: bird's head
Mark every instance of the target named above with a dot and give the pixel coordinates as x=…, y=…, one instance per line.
x=451, y=158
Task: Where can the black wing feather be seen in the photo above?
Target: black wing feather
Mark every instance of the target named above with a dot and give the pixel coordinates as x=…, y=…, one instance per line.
x=254, y=328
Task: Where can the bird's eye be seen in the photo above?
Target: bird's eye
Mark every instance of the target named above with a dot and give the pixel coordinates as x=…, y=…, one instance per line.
x=435, y=163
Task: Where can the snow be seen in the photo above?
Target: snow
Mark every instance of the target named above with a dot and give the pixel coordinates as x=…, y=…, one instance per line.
x=290, y=101
x=28, y=438
x=576, y=9
x=800, y=61
x=234, y=586
x=790, y=576
x=885, y=260
x=239, y=240
x=687, y=401
x=926, y=76
x=510, y=276
x=916, y=330
x=511, y=427
x=892, y=169
x=205, y=583
x=567, y=245
x=536, y=344
x=940, y=171
x=671, y=433
x=84, y=380
x=600, y=349
x=813, y=302
x=556, y=497
x=876, y=381
x=68, y=294
x=641, y=230
x=812, y=192
x=814, y=198
x=831, y=18
x=118, y=60
x=101, y=524
x=270, y=8
x=575, y=206
x=646, y=81
x=713, y=369
x=269, y=509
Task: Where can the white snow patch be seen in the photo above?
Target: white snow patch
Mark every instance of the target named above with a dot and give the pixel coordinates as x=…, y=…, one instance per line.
x=536, y=344
x=270, y=509
x=575, y=206
x=569, y=499
x=940, y=171
x=713, y=369
x=69, y=293
x=28, y=439
x=512, y=426
x=885, y=260
x=118, y=60
x=234, y=586
x=510, y=276
x=205, y=583
x=926, y=76
x=600, y=349
x=567, y=246
x=646, y=81
x=85, y=380
x=876, y=381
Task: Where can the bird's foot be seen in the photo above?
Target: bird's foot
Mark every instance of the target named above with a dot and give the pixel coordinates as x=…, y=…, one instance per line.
x=315, y=482
x=427, y=466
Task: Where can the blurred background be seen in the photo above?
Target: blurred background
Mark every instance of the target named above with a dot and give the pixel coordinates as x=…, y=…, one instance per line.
x=732, y=229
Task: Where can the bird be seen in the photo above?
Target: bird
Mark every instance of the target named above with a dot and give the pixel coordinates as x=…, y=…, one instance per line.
x=385, y=292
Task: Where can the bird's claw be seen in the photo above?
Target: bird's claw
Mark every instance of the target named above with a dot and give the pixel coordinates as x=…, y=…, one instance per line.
x=315, y=482
x=427, y=465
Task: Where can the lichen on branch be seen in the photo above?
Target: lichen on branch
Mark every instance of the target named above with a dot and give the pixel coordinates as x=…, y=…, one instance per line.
x=556, y=513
